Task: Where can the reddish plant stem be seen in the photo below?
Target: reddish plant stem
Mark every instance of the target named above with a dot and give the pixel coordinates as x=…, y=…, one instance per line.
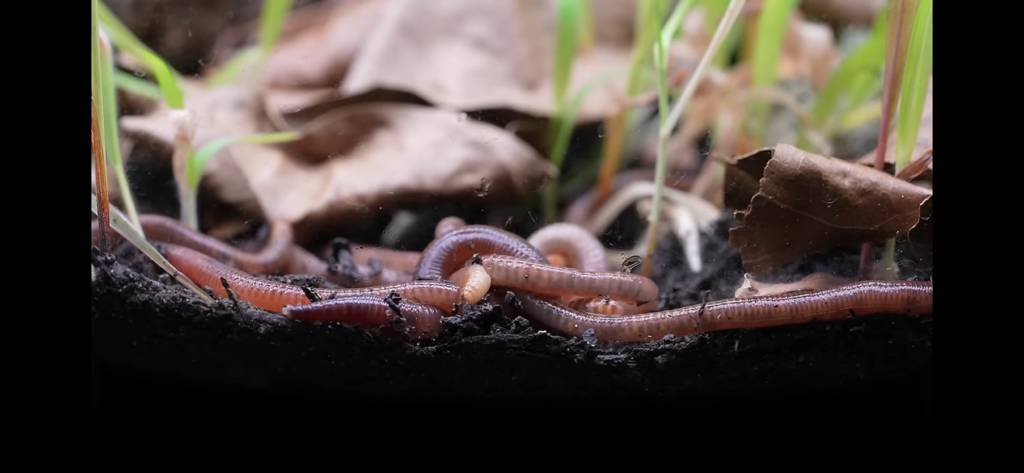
x=102, y=193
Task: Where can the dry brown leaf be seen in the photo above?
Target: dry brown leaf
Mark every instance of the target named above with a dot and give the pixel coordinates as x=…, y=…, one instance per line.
x=356, y=159
x=806, y=203
x=473, y=55
x=398, y=155
x=812, y=282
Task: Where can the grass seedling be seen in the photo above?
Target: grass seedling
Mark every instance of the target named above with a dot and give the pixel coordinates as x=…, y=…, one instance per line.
x=197, y=161
x=645, y=33
x=171, y=89
x=129, y=83
x=272, y=19
x=771, y=30
x=567, y=36
x=667, y=124
x=105, y=109
x=914, y=89
x=135, y=237
x=851, y=84
x=97, y=140
x=123, y=38
x=902, y=14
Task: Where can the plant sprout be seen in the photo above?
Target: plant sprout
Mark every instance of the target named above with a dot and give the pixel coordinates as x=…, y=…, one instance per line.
x=120, y=224
x=669, y=123
x=272, y=19
x=902, y=16
x=197, y=161
x=771, y=30
x=645, y=33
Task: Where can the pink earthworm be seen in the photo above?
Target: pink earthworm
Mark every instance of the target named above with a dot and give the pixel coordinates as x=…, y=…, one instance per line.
x=447, y=254
x=415, y=321
x=542, y=278
x=447, y=225
x=852, y=300
x=581, y=248
x=274, y=296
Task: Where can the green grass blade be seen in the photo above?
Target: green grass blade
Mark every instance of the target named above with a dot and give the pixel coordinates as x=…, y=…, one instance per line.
x=111, y=135
x=197, y=161
x=917, y=72
x=771, y=30
x=674, y=23
x=275, y=12
x=868, y=58
x=141, y=87
x=120, y=225
x=567, y=35
x=124, y=39
x=668, y=124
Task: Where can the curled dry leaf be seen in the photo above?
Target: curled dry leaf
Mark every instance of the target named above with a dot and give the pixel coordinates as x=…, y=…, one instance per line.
x=366, y=157
x=357, y=159
x=812, y=282
x=473, y=55
x=804, y=203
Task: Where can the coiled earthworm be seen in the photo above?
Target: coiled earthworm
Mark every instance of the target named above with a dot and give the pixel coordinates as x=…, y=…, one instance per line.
x=473, y=282
x=447, y=254
x=274, y=296
x=541, y=278
x=416, y=321
x=272, y=259
x=447, y=224
x=858, y=299
x=582, y=250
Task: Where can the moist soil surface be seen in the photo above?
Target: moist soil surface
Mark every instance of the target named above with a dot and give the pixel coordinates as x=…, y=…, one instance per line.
x=151, y=336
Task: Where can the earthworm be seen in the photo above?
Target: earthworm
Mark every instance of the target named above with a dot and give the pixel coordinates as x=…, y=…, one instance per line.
x=447, y=224
x=416, y=321
x=273, y=258
x=473, y=282
x=580, y=247
x=541, y=278
x=274, y=296
x=278, y=256
x=447, y=254
x=858, y=299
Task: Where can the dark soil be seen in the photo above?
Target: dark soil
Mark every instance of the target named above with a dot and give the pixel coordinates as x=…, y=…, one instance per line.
x=153, y=337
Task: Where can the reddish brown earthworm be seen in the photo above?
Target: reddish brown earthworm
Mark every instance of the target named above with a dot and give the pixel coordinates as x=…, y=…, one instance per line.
x=278, y=256
x=542, y=278
x=582, y=250
x=447, y=254
x=274, y=296
x=853, y=300
x=272, y=259
x=416, y=321
x=447, y=224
